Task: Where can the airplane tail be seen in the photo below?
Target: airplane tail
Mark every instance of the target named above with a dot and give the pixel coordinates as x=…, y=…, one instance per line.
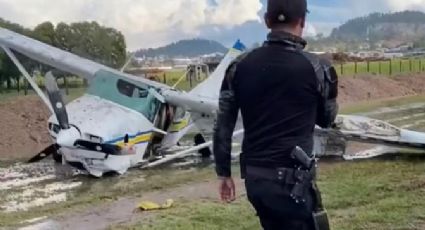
x=210, y=88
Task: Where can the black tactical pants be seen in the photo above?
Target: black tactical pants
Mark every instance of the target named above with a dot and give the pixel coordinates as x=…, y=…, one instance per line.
x=275, y=208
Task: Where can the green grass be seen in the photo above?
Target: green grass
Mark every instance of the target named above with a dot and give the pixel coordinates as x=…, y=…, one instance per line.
x=203, y=214
x=398, y=66
x=172, y=77
x=73, y=94
x=360, y=195
x=77, y=89
x=371, y=194
x=368, y=106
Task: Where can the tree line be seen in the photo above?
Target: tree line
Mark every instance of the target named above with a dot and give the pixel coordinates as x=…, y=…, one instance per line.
x=365, y=27
x=87, y=39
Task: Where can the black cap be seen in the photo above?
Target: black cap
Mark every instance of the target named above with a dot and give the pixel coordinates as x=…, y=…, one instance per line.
x=286, y=11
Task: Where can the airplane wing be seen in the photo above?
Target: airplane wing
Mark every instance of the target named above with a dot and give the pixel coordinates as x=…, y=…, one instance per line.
x=204, y=97
x=202, y=101
x=61, y=59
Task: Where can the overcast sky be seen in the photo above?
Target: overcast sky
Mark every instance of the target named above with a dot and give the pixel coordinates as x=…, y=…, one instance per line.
x=152, y=23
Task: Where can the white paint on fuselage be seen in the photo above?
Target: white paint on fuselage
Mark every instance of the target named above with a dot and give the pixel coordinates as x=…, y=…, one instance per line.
x=95, y=116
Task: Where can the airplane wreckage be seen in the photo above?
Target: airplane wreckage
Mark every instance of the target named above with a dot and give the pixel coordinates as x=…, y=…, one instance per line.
x=124, y=121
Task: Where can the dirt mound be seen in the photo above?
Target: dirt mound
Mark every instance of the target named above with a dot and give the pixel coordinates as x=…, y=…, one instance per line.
x=23, y=127
x=372, y=87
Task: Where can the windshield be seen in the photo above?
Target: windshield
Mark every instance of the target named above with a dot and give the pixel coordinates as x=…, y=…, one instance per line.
x=133, y=95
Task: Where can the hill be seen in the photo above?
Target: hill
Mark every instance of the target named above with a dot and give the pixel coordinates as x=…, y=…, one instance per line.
x=406, y=26
x=184, y=48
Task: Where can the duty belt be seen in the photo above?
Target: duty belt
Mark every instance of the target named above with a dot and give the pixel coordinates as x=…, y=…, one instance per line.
x=288, y=175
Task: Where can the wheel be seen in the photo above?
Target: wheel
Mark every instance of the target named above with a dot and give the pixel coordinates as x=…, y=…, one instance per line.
x=57, y=157
x=199, y=140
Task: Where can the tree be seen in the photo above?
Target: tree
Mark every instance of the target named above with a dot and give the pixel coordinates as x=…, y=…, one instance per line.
x=90, y=40
x=45, y=32
x=87, y=39
x=8, y=71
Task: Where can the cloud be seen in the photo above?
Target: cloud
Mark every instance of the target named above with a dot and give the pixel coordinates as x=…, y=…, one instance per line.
x=310, y=30
x=363, y=7
x=145, y=23
x=152, y=23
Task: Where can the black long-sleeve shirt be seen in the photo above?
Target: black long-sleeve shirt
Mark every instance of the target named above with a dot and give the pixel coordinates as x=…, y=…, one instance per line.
x=282, y=92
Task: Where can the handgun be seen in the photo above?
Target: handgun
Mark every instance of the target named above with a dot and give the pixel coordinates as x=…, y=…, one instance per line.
x=302, y=157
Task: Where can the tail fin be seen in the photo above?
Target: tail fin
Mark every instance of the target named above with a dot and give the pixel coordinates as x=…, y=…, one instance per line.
x=210, y=88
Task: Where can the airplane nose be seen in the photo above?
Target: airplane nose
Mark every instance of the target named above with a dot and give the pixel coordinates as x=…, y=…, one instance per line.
x=67, y=137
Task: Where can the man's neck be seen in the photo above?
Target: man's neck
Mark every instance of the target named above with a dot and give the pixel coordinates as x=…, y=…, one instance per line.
x=294, y=31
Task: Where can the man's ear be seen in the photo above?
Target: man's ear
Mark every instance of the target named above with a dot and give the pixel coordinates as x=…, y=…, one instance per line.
x=302, y=22
x=267, y=21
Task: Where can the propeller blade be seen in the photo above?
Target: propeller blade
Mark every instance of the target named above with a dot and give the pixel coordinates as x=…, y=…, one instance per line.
x=43, y=154
x=56, y=100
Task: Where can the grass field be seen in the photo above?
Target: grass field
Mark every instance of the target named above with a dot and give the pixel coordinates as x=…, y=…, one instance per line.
x=376, y=194
x=373, y=194
x=393, y=67
x=367, y=106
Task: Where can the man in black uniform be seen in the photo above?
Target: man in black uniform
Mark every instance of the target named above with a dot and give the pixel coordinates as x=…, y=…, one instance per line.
x=282, y=92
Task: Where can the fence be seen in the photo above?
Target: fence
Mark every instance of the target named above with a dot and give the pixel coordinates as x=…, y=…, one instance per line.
x=75, y=83
x=387, y=67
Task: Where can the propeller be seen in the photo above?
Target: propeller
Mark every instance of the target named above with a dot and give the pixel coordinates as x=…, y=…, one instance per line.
x=68, y=134
x=56, y=100
x=45, y=153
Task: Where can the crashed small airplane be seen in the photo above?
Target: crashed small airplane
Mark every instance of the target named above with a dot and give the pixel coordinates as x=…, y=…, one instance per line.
x=124, y=121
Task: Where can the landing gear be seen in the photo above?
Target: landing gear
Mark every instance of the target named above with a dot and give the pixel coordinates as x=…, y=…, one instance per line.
x=199, y=140
x=57, y=157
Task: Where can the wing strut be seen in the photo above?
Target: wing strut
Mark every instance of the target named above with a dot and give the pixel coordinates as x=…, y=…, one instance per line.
x=28, y=77
x=187, y=152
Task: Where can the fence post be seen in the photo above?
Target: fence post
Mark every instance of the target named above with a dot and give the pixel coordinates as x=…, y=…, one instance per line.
x=342, y=68
x=355, y=68
x=25, y=87
x=380, y=68
x=401, y=66
x=391, y=67
x=420, y=65
x=65, y=82
x=18, y=84
x=410, y=65
x=368, y=66
x=165, y=78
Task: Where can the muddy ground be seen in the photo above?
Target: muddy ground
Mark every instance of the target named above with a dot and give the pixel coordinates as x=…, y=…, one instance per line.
x=23, y=120
x=23, y=127
x=64, y=200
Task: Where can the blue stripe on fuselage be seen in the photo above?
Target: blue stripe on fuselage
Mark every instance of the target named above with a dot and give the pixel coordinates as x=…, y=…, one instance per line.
x=129, y=136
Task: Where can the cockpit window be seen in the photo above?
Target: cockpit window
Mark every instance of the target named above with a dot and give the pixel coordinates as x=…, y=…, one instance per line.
x=131, y=94
x=130, y=90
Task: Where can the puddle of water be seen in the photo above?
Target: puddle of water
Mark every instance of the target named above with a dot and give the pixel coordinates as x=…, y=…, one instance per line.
x=47, y=225
x=399, y=109
x=25, y=186
x=410, y=117
x=15, y=206
x=37, y=195
x=414, y=124
x=14, y=183
x=370, y=153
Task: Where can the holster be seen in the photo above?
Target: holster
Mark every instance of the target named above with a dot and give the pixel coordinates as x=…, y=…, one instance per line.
x=320, y=216
x=321, y=221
